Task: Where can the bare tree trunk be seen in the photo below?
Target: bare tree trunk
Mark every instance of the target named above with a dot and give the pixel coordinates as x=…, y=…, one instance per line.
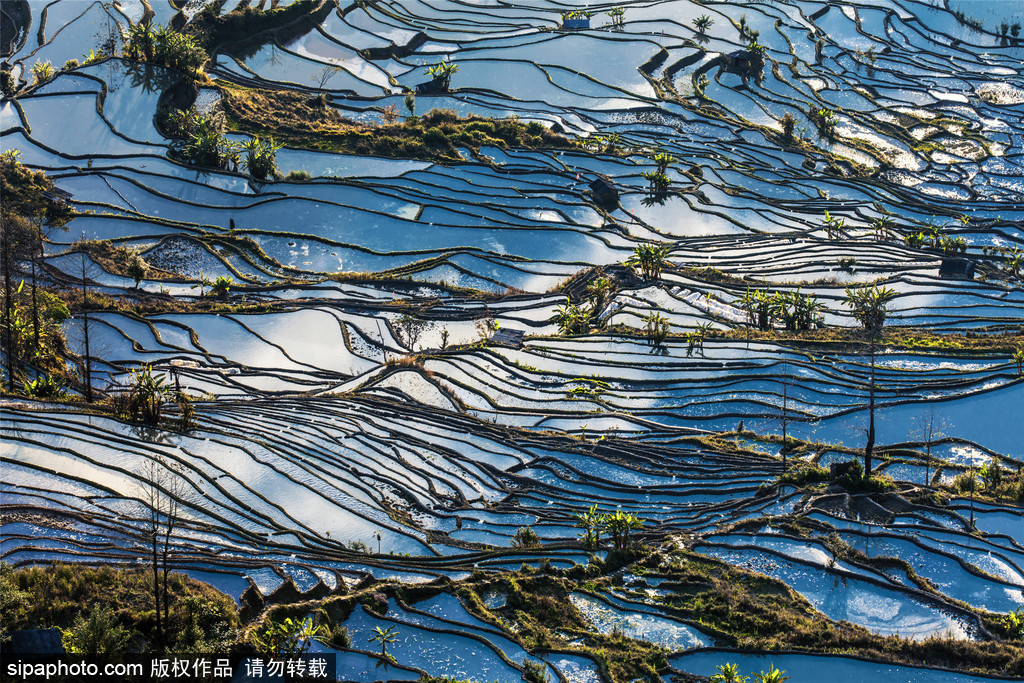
x=785, y=412
x=156, y=580
x=85, y=330
x=928, y=447
x=972, y=496
x=870, y=447
x=171, y=513
x=35, y=303
x=5, y=252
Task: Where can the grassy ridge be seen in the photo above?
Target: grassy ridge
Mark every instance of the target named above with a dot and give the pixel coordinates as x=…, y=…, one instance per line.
x=297, y=120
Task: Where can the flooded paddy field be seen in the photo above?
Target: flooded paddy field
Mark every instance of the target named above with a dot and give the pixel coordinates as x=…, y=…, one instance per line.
x=395, y=404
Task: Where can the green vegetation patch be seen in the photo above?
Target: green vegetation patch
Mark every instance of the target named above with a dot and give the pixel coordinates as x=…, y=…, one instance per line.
x=298, y=120
x=68, y=596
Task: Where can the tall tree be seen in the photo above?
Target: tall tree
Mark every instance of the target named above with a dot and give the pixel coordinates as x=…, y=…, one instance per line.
x=869, y=308
x=161, y=492
x=84, y=269
x=785, y=412
x=15, y=245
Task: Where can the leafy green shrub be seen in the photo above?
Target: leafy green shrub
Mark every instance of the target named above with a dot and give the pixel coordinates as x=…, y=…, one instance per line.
x=260, y=157
x=535, y=672
x=136, y=268
x=804, y=475
x=44, y=386
x=535, y=128
x=525, y=537
x=289, y=638
x=43, y=71
x=145, y=397
x=8, y=85
x=338, y=638
x=434, y=136
x=222, y=285
x=97, y=636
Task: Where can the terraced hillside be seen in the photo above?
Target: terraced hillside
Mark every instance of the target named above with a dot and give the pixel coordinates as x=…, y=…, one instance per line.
x=410, y=368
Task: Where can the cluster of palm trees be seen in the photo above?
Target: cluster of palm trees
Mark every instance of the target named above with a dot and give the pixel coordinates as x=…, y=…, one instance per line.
x=165, y=46
x=834, y=226
x=576, y=14
x=442, y=73
x=658, y=180
x=610, y=143
x=1014, y=259
x=730, y=673
x=616, y=524
x=43, y=71
x=695, y=339
x=883, y=228
x=260, y=157
x=200, y=142
x=826, y=121
x=649, y=260
x=934, y=239
x=656, y=327
x=796, y=311
x=580, y=319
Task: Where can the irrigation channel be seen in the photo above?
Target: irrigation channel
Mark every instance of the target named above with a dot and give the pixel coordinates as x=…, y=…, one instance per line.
x=324, y=420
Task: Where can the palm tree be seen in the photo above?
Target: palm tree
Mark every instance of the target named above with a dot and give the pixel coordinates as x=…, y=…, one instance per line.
x=869, y=304
x=728, y=673
x=703, y=23
x=664, y=160
x=1018, y=358
x=384, y=636
x=749, y=303
x=882, y=228
x=598, y=292
x=443, y=72
x=833, y=226
x=572, y=319
x=222, y=285
x=650, y=259
x=619, y=524
x=202, y=283
x=260, y=157
x=772, y=675
x=590, y=522
x=1015, y=260
x=655, y=328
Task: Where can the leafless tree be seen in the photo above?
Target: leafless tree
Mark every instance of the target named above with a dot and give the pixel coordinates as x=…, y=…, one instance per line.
x=784, y=416
x=409, y=329
x=161, y=492
x=85, y=272
x=325, y=74
x=929, y=428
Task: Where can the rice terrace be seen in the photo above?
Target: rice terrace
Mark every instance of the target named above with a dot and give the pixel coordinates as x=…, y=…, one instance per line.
x=513, y=340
